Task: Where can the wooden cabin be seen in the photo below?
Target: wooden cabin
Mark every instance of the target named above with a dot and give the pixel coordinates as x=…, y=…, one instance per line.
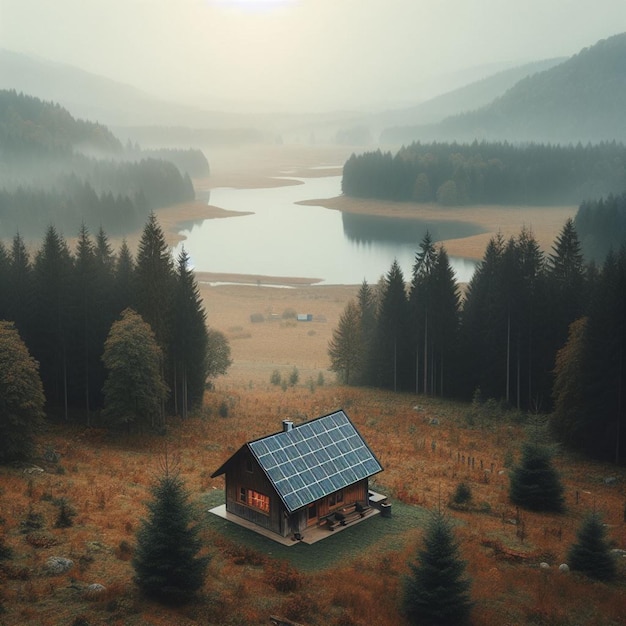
x=301, y=476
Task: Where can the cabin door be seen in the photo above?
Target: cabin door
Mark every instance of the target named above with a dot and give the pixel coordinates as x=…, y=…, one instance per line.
x=312, y=514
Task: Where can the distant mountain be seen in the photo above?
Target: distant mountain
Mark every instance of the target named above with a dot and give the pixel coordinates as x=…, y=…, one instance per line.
x=466, y=98
x=582, y=99
x=98, y=98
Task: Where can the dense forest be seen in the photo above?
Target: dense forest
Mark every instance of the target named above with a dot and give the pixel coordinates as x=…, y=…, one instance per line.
x=601, y=225
x=64, y=304
x=516, y=337
x=53, y=164
x=491, y=173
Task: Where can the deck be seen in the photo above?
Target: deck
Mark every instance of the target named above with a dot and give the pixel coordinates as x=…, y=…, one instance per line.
x=312, y=534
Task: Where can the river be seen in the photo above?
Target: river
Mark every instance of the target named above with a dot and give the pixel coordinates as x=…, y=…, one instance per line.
x=283, y=238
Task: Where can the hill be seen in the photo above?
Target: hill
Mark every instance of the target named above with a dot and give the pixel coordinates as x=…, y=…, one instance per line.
x=466, y=98
x=579, y=100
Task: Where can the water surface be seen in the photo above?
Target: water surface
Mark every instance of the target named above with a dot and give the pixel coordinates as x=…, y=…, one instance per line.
x=282, y=238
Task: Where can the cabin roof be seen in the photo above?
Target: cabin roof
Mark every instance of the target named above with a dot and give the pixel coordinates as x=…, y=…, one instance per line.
x=313, y=459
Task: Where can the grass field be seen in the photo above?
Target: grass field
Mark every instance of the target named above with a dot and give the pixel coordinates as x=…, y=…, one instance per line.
x=350, y=579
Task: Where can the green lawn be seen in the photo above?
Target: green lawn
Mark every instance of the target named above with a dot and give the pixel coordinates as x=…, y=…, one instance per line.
x=374, y=535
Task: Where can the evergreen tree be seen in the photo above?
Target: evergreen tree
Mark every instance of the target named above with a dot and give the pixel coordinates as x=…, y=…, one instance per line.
x=391, y=345
x=123, y=280
x=166, y=562
x=591, y=553
x=535, y=484
x=345, y=349
x=189, y=339
x=52, y=309
x=134, y=389
x=21, y=396
x=5, y=265
x=367, y=304
x=20, y=285
x=436, y=592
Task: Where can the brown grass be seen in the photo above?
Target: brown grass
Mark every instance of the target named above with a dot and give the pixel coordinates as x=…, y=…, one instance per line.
x=106, y=480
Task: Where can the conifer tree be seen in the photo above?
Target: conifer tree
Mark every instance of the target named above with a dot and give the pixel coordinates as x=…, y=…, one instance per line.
x=591, y=553
x=189, y=342
x=535, y=483
x=436, y=592
x=166, y=562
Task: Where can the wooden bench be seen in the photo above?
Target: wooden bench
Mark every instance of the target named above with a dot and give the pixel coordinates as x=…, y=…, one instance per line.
x=344, y=516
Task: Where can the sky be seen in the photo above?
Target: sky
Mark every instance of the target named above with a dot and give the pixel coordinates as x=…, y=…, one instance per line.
x=309, y=55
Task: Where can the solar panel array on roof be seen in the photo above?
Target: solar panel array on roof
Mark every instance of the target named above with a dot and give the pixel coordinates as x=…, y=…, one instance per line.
x=315, y=459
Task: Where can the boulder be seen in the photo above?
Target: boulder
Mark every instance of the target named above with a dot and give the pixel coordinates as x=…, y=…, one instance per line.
x=59, y=565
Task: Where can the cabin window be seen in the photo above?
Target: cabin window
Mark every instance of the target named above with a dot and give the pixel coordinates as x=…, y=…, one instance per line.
x=242, y=495
x=339, y=496
x=332, y=499
x=258, y=501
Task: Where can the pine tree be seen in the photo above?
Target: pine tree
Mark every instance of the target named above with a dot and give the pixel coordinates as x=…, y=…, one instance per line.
x=190, y=342
x=391, y=348
x=166, y=562
x=591, y=553
x=535, y=484
x=436, y=592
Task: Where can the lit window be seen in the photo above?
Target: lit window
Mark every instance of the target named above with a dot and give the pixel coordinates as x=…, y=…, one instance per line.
x=258, y=501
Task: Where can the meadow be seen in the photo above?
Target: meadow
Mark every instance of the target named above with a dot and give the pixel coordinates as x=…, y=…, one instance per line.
x=427, y=446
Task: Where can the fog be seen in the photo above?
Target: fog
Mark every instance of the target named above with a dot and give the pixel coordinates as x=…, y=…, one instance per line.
x=311, y=55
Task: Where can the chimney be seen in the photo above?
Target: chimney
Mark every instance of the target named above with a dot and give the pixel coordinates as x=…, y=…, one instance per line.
x=287, y=426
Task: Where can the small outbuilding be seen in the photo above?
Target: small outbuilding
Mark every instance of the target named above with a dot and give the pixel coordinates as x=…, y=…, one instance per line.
x=308, y=474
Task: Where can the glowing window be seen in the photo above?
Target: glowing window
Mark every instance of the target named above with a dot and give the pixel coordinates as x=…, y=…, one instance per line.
x=258, y=501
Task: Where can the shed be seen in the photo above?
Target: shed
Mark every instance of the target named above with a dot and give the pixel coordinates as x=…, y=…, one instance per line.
x=297, y=478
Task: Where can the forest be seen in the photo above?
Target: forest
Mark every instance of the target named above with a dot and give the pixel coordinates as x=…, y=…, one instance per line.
x=53, y=164
x=64, y=304
x=452, y=174
x=537, y=333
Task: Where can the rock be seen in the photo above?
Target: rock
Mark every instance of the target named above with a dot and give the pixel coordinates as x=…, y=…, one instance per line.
x=433, y=421
x=94, y=591
x=544, y=566
x=618, y=553
x=564, y=568
x=59, y=564
x=33, y=469
x=609, y=480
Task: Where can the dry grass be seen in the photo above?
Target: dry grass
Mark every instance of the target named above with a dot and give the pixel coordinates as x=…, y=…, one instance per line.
x=107, y=480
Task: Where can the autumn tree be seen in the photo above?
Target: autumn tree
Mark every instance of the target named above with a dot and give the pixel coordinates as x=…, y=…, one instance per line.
x=436, y=590
x=345, y=348
x=134, y=389
x=21, y=396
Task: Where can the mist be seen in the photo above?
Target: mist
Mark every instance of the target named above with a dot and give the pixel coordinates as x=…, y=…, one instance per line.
x=302, y=55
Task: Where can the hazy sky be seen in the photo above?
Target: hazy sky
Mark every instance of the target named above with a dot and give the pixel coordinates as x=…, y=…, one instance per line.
x=315, y=54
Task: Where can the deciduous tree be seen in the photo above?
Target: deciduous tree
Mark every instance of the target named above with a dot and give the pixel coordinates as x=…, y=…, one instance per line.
x=21, y=396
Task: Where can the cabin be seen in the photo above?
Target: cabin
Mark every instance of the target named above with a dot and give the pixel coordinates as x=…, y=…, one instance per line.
x=310, y=474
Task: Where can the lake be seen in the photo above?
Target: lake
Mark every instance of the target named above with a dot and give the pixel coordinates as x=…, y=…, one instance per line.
x=282, y=238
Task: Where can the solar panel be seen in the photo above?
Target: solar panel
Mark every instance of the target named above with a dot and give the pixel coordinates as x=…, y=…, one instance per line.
x=315, y=459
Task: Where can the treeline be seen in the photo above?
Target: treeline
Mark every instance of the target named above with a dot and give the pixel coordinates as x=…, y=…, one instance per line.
x=490, y=173
x=601, y=225
x=501, y=339
x=56, y=168
x=64, y=303
x=190, y=161
x=29, y=125
x=115, y=195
